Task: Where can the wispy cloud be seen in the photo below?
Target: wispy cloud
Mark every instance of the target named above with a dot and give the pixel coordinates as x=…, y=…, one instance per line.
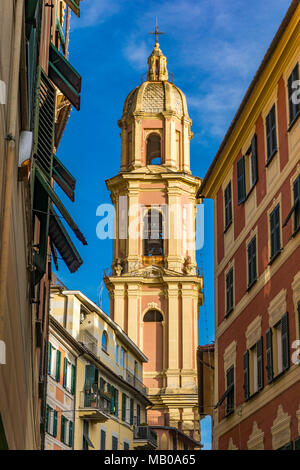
x=95, y=12
x=136, y=53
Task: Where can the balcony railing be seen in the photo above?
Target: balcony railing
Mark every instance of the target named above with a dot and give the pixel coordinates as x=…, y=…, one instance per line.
x=135, y=382
x=92, y=406
x=146, y=435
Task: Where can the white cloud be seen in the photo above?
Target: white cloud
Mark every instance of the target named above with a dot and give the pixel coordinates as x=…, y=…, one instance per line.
x=136, y=53
x=94, y=12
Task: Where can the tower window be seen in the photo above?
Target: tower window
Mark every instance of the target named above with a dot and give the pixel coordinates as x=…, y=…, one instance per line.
x=154, y=149
x=153, y=233
x=153, y=316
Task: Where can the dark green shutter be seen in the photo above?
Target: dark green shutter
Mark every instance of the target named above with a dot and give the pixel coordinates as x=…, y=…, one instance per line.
x=254, y=160
x=71, y=434
x=58, y=361
x=49, y=357
x=246, y=376
x=123, y=407
x=297, y=444
x=269, y=348
x=47, y=418
x=55, y=423
x=112, y=403
x=103, y=440
x=65, y=372
x=260, y=364
x=241, y=181
x=285, y=341
x=73, y=379
x=131, y=410
x=63, y=429
x=90, y=374
x=228, y=205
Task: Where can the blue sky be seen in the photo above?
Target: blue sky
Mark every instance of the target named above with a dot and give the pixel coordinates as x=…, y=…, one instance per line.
x=213, y=47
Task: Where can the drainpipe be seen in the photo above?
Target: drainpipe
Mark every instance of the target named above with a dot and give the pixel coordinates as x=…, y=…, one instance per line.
x=10, y=159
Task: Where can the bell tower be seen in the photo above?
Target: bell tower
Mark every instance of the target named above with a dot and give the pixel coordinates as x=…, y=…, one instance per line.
x=154, y=287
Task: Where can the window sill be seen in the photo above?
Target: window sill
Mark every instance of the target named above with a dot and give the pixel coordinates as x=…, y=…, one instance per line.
x=292, y=124
x=251, y=285
x=271, y=158
x=274, y=257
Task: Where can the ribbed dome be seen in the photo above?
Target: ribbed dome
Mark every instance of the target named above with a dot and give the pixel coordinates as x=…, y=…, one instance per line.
x=156, y=97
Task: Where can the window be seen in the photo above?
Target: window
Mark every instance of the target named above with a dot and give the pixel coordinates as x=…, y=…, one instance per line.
x=275, y=232
x=126, y=445
x=277, y=343
x=51, y=421
x=174, y=443
x=52, y=360
x=131, y=410
x=104, y=341
x=241, y=182
x=103, y=440
x=293, y=85
x=296, y=207
x=64, y=423
x=253, y=370
x=247, y=171
x=230, y=390
x=70, y=434
x=271, y=134
x=153, y=233
x=228, y=206
x=114, y=401
x=117, y=353
x=125, y=408
x=138, y=415
x=153, y=316
x=122, y=358
x=114, y=443
x=252, y=274
x=153, y=149
x=69, y=376
x=86, y=442
x=229, y=291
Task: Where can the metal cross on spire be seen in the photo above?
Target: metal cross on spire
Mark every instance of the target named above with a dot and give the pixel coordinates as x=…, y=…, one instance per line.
x=156, y=32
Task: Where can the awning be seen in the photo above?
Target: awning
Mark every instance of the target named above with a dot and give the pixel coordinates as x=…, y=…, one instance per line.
x=60, y=206
x=61, y=240
x=63, y=178
x=65, y=77
x=74, y=5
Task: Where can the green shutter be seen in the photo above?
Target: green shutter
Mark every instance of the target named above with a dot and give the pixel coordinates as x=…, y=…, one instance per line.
x=241, y=182
x=49, y=357
x=73, y=379
x=65, y=372
x=254, y=160
x=123, y=407
x=71, y=434
x=55, y=423
x=63, y=429
x=246, y=376
x=90, y=374
x=131, y=410
x=269, y=347
x=47, y=418
x=58, y=361
x=260, y=364
x=285, y=341
x=112, y=403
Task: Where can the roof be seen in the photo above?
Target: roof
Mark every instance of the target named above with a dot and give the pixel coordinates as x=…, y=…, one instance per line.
x=250, y=90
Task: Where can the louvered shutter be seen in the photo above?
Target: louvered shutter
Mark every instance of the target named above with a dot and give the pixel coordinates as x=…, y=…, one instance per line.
x=131, y=410
x=230, y=386
x=254, y=160
x=65, y=372
x=123, y=407
x=285, y=341
x=90, y=372
x=269, y=347
x=246, y=376
x=241, y=183
x=103, y=440
x=55, y=423
x=49, y=358
x=260, y=364
x=71, y=434
x=73, y=378
x=58, y=361
x=47, y=418
x=63, y=429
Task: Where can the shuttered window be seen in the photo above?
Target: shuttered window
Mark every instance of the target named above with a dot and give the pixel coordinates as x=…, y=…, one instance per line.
x=65, y=372
x=114, y=443
x=131, y=410
x=252, y=274
x=293, y=90
x=241, y=180
x=49, y=358
x=269, y=347
x=271, y=133
x=285, y=341
x=275, y=232
x=70, y=434
x=124, y=400
x=126, y=446
x=63, y=429
x=73, y=379
x=246, y=376
x=230, y=388
x=54, y=423
x=138, y=414
x=229, y=291
x=103, y=440
x=260, y=365
x=253, y=162
x=58, y=361
x=228, y=206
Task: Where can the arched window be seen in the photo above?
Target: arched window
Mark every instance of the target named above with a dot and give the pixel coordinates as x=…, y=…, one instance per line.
x=104, y=341
x=153, y=233
x=153, y=149
x=153, y=316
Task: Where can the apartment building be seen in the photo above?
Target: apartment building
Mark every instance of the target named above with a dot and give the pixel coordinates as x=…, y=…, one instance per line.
x=254, y=181
x=103, y=380
x=38, y=87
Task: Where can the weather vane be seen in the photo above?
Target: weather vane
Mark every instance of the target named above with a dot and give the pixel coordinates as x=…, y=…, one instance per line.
x=156, y=32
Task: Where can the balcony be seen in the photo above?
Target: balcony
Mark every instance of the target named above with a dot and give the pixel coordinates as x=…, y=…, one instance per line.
x=136, y=383
x=144, y=438
x=92, y=407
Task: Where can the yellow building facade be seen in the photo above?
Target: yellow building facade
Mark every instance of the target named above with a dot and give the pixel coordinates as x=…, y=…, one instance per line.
x=154, y=286
x=110, y=399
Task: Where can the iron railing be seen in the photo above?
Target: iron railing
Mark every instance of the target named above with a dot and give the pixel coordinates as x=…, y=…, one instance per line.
x=145, y=433
x=135, y=382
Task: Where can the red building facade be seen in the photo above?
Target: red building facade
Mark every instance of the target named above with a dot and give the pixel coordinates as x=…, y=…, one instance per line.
x=255, y=183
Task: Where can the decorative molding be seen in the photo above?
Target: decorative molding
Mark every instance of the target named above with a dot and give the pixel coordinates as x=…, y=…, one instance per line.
x=277, y=308
x=253, y=332
x=256, y=438
x=230, y=356
x=231, y=445
x=281, y=429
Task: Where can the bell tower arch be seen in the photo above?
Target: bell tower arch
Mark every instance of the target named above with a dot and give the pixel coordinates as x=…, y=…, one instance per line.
x=154, y=286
